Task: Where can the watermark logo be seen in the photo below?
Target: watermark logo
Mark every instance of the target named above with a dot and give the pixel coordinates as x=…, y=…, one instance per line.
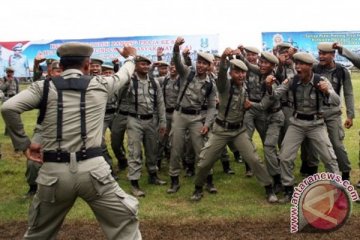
x=321, y=203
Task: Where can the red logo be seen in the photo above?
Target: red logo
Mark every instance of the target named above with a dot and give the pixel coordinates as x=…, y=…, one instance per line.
x=325, y=206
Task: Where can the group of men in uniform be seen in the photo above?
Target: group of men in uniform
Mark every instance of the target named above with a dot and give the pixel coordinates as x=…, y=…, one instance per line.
x=288, y=98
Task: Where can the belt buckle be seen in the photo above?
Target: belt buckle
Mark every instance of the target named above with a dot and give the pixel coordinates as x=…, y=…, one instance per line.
x=138, y=116
x=226, y=124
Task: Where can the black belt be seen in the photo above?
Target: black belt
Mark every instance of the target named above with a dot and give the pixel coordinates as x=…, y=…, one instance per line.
x=170, y=110
x=63, y=157
x=254, y=100
x=141, y=116
x=190, y=111
x=125, y=113
x=274, y=110
x=110, y=110
x=228, y=125
x=9, y=95
x=306, y=117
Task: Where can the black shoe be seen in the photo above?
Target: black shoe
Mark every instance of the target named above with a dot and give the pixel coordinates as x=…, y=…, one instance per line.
x=155, y=180
x=270, y=195
x=277, y=184
x=345, y=176
x=238, y=158
x=197, y=195
x=123, y=164
x=226, y=168
x=158, y=164
x=229, y=171
x=135, y=189
x=31, y=192
x=175, y=185
x=211, y=188
x=210, y=185
x=289, y=190
x=249, y=173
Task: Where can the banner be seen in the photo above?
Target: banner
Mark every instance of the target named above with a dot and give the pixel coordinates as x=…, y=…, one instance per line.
x=20, y=55
x=308, y=41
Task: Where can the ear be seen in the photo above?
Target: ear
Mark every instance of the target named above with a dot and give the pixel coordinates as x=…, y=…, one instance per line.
x=86, y=66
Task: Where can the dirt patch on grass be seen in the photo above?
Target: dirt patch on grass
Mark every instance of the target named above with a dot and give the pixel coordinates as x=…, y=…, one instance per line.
x=194, y=229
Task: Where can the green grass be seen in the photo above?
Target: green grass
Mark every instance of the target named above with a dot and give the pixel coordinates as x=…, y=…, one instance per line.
x=238, y=197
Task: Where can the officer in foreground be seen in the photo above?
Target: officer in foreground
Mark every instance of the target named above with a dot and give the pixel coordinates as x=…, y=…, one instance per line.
x=308, y=93
x=229, y=127
x=73, y=164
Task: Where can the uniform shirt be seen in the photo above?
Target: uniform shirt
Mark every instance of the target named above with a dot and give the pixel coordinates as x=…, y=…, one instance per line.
x=256, y=89
x=236, y=110
x=336, y=83
x=146, y=93
x=112, y=102
x=20, y=64
x=171, y=91
x=194, y=96
x=285, y=72
x=97, y=93
x=306, y=96
x=121, y=97
x=9, y=87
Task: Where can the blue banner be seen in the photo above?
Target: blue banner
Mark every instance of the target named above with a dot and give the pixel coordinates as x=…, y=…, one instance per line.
x=20, y=55
x=308, y=41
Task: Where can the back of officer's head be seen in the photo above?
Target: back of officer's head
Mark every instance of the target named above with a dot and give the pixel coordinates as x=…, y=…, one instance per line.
x=75, y=55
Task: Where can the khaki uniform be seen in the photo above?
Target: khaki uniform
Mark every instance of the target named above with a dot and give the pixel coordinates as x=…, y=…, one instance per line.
x=286, y=72
x=332, y=114
x=268, y=110
x=306, y=123
x=230, y=129
x=119, y=128
x=189, y=114
x=170, y=88
x=9, y=88
x=60, y=183
x=32, y=168
x=111, y=106
x=142, y=125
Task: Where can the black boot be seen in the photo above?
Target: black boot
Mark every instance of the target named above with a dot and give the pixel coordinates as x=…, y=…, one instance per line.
x=210, y=185
x=198, y=194
x=175, y=185
x=155, y=180
x=270, y=195
x=277, y=183
x=237, y=157
x=226, y=167
x=248, y=171
x=135, y=189
x=312, y=170
x=345, y=176
x=32, y=190
x=159, y=164
x=288, y=192
x=190, y=170
x=122, y=164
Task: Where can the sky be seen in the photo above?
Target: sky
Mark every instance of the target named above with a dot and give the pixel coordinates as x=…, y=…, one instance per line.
x=236, y=21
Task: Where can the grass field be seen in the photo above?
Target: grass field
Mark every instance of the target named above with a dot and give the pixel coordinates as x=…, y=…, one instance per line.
x=238, y=197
